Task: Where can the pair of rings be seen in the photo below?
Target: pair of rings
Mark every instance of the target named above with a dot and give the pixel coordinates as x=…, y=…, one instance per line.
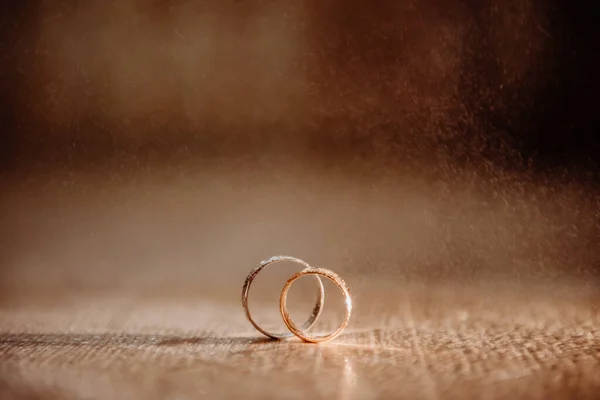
x=300, y=332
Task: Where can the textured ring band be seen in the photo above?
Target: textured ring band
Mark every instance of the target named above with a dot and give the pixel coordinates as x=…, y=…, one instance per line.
x=246, y=289
x=301, y=332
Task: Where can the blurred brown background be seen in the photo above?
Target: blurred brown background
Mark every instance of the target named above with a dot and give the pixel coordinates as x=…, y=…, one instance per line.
x=407, y=80
x=429, y=138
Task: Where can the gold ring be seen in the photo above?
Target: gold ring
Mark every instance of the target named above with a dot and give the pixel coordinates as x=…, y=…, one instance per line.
x=301, y=332
x=246, y=289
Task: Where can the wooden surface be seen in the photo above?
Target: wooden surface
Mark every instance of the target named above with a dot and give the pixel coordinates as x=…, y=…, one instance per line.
x=126, y=291
x=441, y=344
